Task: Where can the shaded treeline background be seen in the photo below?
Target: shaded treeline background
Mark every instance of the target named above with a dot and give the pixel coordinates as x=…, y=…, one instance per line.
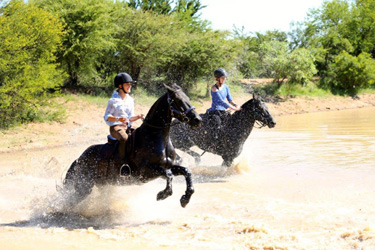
x=79, y=45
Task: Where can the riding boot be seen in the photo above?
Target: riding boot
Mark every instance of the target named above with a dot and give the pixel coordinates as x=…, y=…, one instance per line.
x=124, y=167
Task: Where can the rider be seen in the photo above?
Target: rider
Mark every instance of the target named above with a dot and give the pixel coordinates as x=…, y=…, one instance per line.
x=119, y=113
x=220, y=93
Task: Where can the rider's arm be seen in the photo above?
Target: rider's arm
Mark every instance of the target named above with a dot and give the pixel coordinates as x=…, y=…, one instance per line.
x=108, y=112
x=137, y=117
x=109, y=116
x=217, y=99
x=233, y=105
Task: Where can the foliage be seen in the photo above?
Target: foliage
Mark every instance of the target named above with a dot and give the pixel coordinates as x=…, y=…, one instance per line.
x=250, y=59
x=301, y=66
x=29, y=36
x=274, y=55
x=157, y=48
x=351, y=73
x=340, y=34
x=168, y=7
x=198, y=56
x=280, y=63
x=144, y=40
x=89, y=27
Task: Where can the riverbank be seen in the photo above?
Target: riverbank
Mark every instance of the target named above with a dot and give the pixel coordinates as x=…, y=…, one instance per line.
x=84, y=123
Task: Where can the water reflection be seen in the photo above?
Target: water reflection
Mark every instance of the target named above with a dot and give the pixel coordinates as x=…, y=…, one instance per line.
x=342, y=139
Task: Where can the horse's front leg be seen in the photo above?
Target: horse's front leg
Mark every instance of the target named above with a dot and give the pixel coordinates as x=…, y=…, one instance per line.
x=168, y=189
x=179, y=170
x=151, y=171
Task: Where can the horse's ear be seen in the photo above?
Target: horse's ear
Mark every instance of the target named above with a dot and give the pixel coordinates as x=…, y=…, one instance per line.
x=176, y=86
x=253, y=95
x=167, y=87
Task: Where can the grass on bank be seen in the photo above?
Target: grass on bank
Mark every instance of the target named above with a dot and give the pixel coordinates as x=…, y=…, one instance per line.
x=201, y=92
x=56, y=111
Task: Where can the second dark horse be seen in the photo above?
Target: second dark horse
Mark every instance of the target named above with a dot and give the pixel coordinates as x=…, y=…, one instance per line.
x=228, y=139
x=150, y=153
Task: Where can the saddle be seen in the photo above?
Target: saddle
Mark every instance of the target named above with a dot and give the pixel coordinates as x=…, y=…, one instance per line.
x=110, y=149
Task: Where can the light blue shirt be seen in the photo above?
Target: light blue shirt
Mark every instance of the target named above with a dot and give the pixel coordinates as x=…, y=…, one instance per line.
x=218, y=98
x=120, y=108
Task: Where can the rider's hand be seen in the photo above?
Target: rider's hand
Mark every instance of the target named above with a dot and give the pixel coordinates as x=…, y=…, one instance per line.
x=124, y=120
x=235, y=108
x=142, y=116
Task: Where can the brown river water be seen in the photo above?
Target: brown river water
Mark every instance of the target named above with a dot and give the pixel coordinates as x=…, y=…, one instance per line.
x=308, y=183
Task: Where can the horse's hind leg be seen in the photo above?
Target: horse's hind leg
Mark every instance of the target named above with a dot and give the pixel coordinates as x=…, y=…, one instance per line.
x=179, y=170
x=78, y=183
x=195, y=155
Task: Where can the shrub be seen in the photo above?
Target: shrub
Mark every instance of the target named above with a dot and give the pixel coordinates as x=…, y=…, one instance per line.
x=349, y=73
x=29, y=36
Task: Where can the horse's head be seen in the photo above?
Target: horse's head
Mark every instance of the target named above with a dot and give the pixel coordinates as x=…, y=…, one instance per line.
x=259, y=111
x=181, y=107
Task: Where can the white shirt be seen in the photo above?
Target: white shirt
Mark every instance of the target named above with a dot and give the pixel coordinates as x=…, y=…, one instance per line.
x=120, y=108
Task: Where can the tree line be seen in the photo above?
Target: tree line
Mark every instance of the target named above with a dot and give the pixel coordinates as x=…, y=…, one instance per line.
x=47, y=45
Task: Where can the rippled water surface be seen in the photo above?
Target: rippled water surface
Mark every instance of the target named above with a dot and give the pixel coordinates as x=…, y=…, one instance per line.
x=308, y=183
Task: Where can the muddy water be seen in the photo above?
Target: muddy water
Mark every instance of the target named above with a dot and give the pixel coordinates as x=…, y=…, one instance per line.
x=306, y=184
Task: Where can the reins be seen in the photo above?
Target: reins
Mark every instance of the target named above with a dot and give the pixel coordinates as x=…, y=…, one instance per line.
x=173, y=111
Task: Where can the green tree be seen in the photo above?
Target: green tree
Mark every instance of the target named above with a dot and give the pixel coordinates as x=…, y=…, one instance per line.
x=89, y=27
x=342, y=25
x=157, y=6
x=168, y=7
x=250, y=60
x=145, y=41
x=301, y=66
x=351, y=73
x=282, y=64
x=186, y=11
x=199, y=55
x=29, y=37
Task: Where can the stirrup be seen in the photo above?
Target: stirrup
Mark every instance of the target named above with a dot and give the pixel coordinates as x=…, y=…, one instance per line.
x=125, y=170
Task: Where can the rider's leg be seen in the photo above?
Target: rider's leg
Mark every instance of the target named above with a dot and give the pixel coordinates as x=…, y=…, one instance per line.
x=119, y=132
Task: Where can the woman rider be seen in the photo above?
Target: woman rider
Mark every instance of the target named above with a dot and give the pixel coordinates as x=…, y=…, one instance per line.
x=220, y=93
x=119, y=113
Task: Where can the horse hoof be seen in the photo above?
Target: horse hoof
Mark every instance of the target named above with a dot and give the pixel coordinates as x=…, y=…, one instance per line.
x=197, y=161
x=227, y=164
x=185, y=200
x=163, y=195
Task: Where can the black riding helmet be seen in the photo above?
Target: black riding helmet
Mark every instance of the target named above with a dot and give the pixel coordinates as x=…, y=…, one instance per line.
x=122, y=78
x=220, y=72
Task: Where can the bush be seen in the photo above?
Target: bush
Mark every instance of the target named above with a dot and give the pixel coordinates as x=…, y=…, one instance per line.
x=349, y=73
x=28, y=75
x=296, y=66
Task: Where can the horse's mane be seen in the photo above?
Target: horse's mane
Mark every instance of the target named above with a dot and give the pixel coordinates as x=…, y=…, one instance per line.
x=238, y=115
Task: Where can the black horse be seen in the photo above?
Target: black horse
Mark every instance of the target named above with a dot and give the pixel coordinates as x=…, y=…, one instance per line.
x=149, y=153
x=227, y=140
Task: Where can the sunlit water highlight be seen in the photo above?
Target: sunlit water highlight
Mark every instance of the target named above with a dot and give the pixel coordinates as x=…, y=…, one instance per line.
x=306, y=184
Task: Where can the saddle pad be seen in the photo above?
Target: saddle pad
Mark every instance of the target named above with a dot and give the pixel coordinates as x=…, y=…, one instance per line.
x=108, y=151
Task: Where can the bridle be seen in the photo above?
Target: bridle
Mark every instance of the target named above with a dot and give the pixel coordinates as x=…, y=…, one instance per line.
x=174, y=112
x=259, y=123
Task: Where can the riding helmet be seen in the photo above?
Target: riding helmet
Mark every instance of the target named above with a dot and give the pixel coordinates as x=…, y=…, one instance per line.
x=122, y=78
x=220, y=72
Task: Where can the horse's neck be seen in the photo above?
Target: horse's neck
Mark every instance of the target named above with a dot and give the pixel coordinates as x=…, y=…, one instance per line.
x=159, y=115
x=239, y=126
